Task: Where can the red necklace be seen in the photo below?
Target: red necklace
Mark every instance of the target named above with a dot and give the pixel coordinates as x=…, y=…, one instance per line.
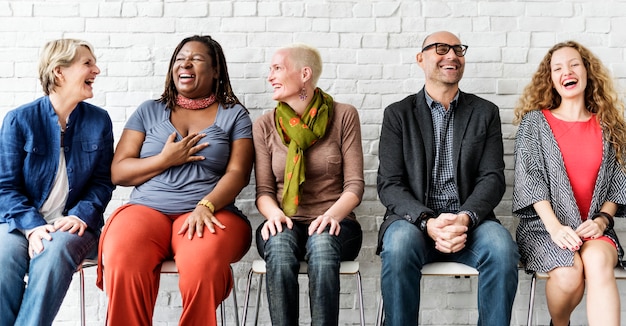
x=194, y=104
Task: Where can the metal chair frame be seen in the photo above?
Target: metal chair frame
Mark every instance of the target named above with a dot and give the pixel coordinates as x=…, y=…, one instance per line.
x=258, y=267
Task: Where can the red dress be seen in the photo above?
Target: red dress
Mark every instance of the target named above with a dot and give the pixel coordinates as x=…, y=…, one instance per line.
x=580, y=143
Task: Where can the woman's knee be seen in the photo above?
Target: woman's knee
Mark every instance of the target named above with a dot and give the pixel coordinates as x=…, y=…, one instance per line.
x=598, y=258
x=282, y=249
x=323, y=249
x=568, y=279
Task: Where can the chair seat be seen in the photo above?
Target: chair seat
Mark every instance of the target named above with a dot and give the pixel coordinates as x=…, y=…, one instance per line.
x=169, y=267
x=448, y=269
x=346, y=267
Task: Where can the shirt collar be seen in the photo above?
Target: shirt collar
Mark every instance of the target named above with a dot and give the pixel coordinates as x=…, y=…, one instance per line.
x=430, y=100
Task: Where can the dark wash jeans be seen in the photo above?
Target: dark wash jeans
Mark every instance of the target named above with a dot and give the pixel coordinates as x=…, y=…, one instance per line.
x=323, y=253
x=489, y=248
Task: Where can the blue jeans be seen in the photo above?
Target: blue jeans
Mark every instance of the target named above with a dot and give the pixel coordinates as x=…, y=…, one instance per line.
x=489, y=248
x=323, y=252
x=49, y=275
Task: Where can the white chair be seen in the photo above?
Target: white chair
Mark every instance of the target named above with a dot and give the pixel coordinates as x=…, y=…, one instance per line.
x=435, y=269
x=258, y=267
x=169, y=267
x=620, y=274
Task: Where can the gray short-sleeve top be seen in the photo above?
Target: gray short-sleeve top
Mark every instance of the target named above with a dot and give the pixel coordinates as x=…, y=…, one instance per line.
x=179, y=188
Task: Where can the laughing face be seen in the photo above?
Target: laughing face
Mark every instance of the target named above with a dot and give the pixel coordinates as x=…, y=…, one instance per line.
x=569, y=75
x=285, y=79
x=193, y=72
x=80, y=75
x=446, y=69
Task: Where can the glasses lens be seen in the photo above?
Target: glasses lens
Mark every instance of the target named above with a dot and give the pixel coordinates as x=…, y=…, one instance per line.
x=442, y=48
x=459, y=50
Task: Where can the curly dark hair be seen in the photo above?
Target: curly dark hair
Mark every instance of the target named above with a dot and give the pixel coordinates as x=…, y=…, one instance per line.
x=224, y=93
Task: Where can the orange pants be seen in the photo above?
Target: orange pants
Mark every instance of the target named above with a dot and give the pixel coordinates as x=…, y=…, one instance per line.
x=137, y=239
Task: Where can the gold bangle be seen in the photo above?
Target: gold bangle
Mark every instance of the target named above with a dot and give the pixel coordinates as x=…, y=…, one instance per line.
x=208, y=204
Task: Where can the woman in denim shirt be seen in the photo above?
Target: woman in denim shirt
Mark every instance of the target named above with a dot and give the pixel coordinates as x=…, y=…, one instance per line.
x=55, y=183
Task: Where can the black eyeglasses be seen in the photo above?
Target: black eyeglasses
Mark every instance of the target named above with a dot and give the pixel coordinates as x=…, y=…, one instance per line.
x=444, y=48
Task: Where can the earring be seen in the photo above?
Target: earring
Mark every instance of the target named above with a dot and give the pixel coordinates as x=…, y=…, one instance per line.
x=303, y=94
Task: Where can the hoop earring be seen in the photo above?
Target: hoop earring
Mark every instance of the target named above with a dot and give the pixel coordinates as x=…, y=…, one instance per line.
x=303, y=95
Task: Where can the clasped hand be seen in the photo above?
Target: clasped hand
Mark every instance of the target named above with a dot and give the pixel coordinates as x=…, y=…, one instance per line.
x=71, y=224
x=448, y=231
x=567, y=238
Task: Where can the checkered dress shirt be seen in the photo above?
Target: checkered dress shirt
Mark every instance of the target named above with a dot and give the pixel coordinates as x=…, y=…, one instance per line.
x=443, y=195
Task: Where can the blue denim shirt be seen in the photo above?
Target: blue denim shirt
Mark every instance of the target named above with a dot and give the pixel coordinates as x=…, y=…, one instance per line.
x=30, y=145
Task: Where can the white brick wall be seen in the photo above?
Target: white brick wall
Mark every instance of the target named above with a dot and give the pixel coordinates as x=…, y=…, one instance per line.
x=369, y=51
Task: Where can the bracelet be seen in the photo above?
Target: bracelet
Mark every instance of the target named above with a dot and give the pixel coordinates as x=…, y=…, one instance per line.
x=208, y=204
x=608, y=217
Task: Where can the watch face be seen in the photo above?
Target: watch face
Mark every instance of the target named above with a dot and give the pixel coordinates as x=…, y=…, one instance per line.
x=423, y=224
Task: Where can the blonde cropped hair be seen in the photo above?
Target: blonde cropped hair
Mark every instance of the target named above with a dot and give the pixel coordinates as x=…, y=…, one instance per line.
x=601, y=96
x=302, y=55
x=58, y=53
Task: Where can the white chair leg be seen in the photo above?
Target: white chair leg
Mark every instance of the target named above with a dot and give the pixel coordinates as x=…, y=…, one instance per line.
x=235, y=305
x=379, y=315
x=531, y=301
x=258, y=300
x=360, y=290
x=234, y=295
x=223, y=313
x=246, y=299
x=82, y=296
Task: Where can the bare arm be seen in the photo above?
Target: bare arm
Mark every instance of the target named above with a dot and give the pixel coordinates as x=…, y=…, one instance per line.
x=347, y=202
x=274, y=216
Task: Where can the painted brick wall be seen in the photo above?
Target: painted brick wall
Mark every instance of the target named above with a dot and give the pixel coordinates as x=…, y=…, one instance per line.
x=368, y=48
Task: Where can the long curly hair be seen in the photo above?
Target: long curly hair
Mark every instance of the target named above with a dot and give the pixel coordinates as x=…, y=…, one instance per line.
x=223, y=92
x=601, y=97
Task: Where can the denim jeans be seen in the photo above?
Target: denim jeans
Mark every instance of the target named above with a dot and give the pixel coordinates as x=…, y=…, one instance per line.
x=49, y=275
x=489, y=248
x=323, y=252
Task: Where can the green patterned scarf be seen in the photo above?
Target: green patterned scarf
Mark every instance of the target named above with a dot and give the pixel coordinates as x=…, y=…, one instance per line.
x=300, y=133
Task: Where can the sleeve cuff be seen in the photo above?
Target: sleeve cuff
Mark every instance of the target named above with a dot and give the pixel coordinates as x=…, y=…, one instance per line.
x=472, y=216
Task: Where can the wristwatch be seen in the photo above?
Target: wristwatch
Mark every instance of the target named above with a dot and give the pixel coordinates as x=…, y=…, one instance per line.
x=423, y=221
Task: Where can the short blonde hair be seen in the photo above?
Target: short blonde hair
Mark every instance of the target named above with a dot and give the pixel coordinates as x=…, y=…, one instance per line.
x=303, y=55
x=58, y=53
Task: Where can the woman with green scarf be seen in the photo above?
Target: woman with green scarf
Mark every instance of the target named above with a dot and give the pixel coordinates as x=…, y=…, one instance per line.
x=309, y=179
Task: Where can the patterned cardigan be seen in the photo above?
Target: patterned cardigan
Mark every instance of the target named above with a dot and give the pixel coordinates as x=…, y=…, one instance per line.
x=540, y=175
